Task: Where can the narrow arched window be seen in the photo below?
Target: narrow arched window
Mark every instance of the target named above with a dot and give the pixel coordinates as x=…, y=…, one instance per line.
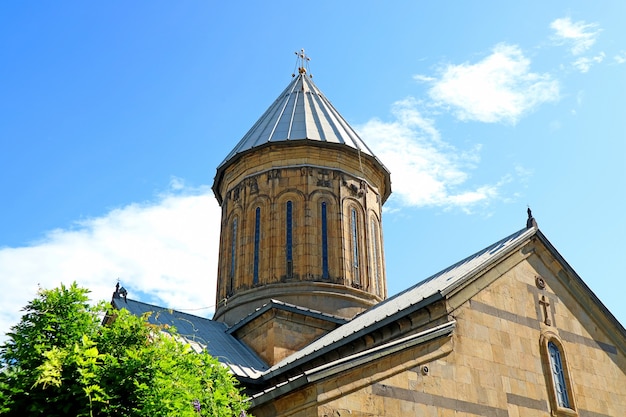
x=376, y=257
x=289, y=238
x=354, y=232
x=559, y=380
x=233, y=256
x=257, y=242
x=558, y=376
x=325, y=272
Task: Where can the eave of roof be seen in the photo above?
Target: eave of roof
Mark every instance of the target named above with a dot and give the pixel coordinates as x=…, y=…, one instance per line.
x=352, y=361
x=281, y=305
x=202, y=333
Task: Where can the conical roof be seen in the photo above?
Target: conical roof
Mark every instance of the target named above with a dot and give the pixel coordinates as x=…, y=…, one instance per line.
x=301, y=112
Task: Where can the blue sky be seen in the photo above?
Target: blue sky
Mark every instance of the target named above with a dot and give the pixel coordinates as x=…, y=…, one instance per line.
x=114, y=116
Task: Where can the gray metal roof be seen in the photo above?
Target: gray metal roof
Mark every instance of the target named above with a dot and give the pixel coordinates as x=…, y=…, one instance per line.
x=281, y=305
x=215, y=337
x=425, y=292
x=202, y=333
x=301, y=112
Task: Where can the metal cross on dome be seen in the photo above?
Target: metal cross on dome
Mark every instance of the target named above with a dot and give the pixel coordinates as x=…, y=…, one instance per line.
x=302, y=62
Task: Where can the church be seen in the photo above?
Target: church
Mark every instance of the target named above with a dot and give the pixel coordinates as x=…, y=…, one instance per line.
x=304, y=322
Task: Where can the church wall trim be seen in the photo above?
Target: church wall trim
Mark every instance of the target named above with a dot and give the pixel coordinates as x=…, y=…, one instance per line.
x=437, y=401
x=574, y=338
x=351, y=362
x=533, y=324
x=319, y=351
x=505, y=315
x=526, y=402
x=478, y=409
x=220, y=175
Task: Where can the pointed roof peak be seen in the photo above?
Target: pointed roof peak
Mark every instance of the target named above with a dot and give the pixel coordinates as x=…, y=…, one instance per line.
x=301, y=112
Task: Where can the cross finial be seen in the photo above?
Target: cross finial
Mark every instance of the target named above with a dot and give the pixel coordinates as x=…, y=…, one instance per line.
x=303, y=62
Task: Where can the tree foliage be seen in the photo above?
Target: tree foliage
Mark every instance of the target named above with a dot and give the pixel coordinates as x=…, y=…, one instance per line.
x=59, y=361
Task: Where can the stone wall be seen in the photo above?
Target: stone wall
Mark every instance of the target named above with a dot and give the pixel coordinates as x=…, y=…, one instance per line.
x=496, y=362
x=335, y=206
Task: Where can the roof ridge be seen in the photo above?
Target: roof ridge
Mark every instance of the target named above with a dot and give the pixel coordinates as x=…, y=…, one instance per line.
x=162, y=308
x=491, y=248
x=284, y=305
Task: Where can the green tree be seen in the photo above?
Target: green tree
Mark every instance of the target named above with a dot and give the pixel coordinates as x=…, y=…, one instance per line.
x=59, y=361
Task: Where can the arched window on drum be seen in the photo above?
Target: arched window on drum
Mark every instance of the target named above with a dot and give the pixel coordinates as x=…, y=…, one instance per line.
x=376, y=257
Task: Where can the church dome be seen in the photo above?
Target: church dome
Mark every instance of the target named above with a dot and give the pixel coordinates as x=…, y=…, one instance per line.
x=300, y=113
x=301, y=197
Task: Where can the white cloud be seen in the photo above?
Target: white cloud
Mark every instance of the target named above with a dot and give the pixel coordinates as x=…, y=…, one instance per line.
x=500, y=88
x=583, y=64
x=580, y=35
x=177, y=183
x=423, y=78
x=620, y=58
x=425, y=171
x=167, y=249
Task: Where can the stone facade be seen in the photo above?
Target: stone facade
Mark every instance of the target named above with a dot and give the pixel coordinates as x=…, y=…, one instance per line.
x=279, y=331
x=494, y=363
x=331, y=259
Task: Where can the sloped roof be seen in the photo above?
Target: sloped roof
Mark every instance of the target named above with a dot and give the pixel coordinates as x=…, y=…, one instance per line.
x=217, y=338
x=421, y=294
x=219, y=342
x=281, y=305
x=201, y=333
x=352, y=361
x=301, y=112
